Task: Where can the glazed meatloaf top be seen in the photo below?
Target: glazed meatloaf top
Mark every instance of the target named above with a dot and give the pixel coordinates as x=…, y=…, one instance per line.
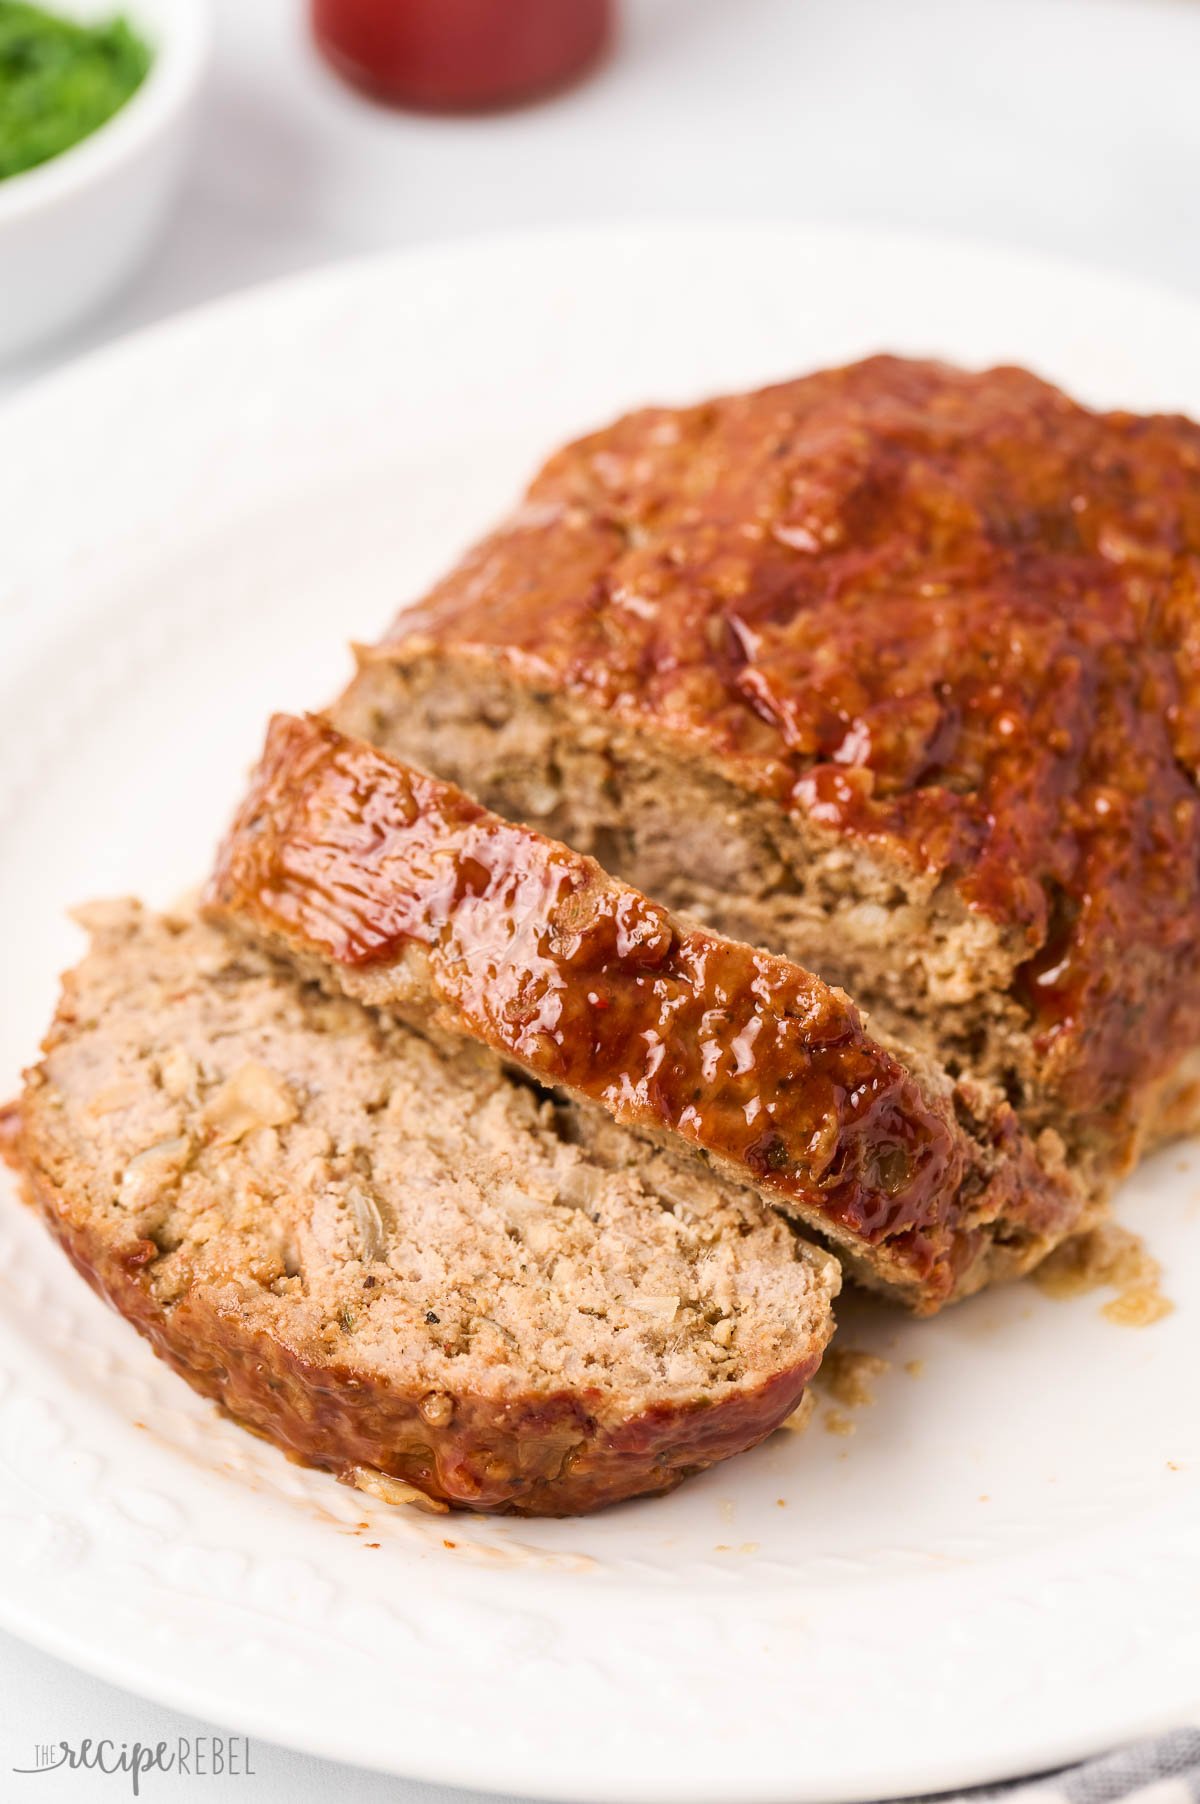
x=396, y=1261
x=409, y=894
x=951, y=617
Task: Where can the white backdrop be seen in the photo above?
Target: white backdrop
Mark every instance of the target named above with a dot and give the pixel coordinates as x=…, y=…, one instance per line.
x=1064, y=125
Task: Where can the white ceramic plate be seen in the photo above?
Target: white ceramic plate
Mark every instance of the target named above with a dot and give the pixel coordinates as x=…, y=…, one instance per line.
x=1000, y=1569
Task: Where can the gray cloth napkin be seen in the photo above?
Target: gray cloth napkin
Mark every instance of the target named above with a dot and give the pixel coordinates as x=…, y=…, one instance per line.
x=1163, y=1771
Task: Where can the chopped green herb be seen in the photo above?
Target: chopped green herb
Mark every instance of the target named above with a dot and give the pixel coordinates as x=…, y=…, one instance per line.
x=60, y=80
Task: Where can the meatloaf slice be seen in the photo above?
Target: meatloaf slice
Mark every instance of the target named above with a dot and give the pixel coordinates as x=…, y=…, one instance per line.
x=396, y=1263
x=402, y=892
x=893, y=669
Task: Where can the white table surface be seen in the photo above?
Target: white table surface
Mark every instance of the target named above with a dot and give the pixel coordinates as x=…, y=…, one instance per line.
x=1064, y=125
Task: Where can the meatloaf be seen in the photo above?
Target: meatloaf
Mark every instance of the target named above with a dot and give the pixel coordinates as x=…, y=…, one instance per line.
x=893, y=669
x=400, y=891
x=396, y=1262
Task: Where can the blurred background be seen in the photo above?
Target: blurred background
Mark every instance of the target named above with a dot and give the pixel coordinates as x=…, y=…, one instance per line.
x=1068, y=126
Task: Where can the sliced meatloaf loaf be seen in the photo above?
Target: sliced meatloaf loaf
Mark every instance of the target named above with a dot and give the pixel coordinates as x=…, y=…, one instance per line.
x=894, y=669
x=401, y=891
x=398, y=1263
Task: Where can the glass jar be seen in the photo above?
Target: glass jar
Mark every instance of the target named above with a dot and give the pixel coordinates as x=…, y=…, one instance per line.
x=461, y=55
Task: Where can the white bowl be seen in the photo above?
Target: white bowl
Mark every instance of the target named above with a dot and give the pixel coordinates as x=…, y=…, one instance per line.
x=72, y=229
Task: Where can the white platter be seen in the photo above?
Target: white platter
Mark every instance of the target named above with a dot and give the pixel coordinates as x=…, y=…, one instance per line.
x=1000, y=1569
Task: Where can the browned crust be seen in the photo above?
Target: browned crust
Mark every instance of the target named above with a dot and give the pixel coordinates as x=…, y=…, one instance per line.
x=10, y=1134
x=409, y=894
x=562, y=1453
x=951, y=618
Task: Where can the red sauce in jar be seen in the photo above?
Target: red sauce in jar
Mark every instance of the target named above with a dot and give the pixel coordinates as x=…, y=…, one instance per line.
x=461, y=55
